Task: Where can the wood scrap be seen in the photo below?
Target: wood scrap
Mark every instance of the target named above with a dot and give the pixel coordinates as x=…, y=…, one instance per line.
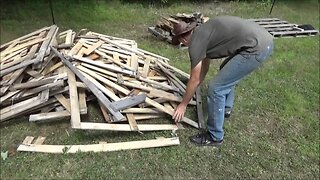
x=103, y=147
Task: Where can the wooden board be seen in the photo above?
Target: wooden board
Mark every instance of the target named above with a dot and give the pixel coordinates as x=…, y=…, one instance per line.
x=126, y=127
x=74, y=100
x=105, y=147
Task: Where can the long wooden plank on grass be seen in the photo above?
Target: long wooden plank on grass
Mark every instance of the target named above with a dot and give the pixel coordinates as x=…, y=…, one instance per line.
x=126, y=127
x=105, y=147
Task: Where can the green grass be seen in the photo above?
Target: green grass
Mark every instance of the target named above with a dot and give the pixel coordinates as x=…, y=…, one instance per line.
x=272, y=134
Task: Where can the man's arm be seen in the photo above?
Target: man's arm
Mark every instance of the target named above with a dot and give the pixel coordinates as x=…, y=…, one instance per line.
x=197, y=76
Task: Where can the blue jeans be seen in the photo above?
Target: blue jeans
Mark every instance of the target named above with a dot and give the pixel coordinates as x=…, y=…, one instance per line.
x=221, y=87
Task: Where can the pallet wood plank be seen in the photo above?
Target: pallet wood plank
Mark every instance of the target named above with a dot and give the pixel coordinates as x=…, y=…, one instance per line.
x=104, y=112
x=28, y=140
x=161, y=142
x=74, y=100
x=39, y=140
x=63, y=101
x=126, y=127
x=82, y=101
x=49, y=116
x=90, y=49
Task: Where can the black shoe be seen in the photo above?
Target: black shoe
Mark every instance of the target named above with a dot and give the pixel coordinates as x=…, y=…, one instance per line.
x=227, y=113
x=205, y=139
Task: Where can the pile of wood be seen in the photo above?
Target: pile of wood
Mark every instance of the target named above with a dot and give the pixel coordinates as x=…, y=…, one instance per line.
x=47, y=75
x=163, y=29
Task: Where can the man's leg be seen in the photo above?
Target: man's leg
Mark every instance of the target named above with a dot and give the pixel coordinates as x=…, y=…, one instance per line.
x=230, y=96
x=222, y=85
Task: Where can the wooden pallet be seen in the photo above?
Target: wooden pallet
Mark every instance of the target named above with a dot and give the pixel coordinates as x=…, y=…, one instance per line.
x=280, y=28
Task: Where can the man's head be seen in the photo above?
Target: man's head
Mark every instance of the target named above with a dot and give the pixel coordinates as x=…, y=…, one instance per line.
x=182, y=32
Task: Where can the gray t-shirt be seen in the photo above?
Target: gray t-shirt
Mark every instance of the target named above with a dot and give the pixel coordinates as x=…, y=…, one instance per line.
x=225, y=36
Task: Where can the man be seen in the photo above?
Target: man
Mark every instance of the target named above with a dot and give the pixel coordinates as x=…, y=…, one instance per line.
x=247, y=46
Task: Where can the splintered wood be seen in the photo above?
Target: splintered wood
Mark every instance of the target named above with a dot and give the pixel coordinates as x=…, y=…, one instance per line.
x=48, y=76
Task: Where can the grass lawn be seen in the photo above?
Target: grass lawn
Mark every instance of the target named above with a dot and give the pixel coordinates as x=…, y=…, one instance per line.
x=272, y=133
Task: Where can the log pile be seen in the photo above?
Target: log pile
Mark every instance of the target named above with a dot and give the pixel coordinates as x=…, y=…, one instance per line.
x=163, y=29
x=47, y=75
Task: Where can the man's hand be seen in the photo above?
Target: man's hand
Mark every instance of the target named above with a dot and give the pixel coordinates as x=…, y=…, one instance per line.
x=196, y=77
x=179, y=112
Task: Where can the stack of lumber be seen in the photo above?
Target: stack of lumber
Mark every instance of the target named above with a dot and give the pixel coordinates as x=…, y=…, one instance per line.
x=163, y=29
x=47, y=75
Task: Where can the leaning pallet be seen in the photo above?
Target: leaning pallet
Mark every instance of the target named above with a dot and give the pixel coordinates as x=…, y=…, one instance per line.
x=48, y=76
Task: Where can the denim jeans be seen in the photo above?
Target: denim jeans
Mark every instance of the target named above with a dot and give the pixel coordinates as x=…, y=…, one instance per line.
x=221, y=87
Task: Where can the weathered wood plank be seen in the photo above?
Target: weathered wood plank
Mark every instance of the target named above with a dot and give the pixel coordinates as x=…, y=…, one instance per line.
x=90, y=49
x=105, y=147
x=74, y=100
x=48, y=116
x=126, y=127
